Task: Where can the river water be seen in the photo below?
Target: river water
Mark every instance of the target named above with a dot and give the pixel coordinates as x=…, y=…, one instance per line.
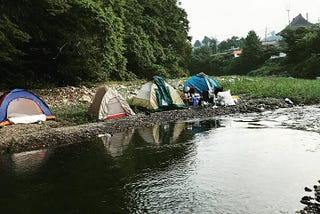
x=256, y=163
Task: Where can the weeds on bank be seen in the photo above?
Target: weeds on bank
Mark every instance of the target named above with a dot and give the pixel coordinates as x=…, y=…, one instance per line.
x=298, y=90
x=73, y=114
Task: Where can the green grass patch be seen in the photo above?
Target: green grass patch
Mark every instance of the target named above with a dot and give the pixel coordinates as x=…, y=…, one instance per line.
x=73, y=114
x=298, y=90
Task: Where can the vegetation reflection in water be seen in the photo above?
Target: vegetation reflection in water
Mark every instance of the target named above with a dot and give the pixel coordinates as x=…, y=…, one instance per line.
x=239, y=165
x=97, y=176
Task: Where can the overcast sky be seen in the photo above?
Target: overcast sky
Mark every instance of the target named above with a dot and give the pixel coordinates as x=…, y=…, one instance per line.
x=223, y=19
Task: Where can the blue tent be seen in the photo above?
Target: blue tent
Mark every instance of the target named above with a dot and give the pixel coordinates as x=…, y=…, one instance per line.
x=25, y=102
x=201, y=82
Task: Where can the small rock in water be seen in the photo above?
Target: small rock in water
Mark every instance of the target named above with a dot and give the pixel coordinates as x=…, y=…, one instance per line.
x=306, y=198
x=307, y=189
x=316, y=188
x=306, y=202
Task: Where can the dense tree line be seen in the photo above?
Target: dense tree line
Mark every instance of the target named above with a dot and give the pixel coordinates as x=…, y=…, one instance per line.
x=303, y=51
x=301, y=45
x=69, y=42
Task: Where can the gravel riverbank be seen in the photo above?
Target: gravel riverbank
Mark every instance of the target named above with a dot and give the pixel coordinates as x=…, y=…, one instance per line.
x=16, y=138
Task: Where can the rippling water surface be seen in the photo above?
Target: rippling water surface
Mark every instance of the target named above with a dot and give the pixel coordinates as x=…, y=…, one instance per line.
x=244, y=164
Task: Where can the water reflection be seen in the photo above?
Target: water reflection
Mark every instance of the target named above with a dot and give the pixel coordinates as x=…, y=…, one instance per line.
x=200, y=126
x=162, y=134
x=213, y=166
x=24, y=162
x=156, y=135
x=100, y=175
x=117, y=143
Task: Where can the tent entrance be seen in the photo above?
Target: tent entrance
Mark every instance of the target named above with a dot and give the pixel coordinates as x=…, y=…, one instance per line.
x=23, y=110
x=115, y=109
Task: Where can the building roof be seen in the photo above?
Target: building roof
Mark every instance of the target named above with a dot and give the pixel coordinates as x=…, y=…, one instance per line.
x=299, y=21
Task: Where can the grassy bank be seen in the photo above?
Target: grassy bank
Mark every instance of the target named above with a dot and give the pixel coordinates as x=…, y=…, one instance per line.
x=73, y=114
x=300, y=91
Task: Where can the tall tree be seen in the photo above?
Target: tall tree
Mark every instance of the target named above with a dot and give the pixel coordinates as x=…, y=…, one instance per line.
x=197, y=44
x=202, y=57
x=12, y=39
x=70, y=41
x=210, y=44
x=251, y=57
x=157, y=42
x=303, y=51
x=233, y=42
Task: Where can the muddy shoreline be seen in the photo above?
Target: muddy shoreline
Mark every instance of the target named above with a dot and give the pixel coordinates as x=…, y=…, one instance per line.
x=18, y=138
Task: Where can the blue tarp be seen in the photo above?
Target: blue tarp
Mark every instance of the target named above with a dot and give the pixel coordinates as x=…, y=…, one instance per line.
x=200, y=83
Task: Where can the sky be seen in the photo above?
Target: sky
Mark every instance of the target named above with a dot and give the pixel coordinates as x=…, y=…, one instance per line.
x=222, y=19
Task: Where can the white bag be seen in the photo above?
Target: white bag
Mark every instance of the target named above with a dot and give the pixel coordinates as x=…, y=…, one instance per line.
x=224, y=98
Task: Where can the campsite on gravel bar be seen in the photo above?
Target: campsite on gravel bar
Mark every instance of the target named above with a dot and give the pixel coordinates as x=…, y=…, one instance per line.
x=174, y=106
x=182, y=160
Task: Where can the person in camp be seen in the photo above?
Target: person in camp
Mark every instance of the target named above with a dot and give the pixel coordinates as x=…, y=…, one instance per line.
x=186, y=95
x=217, y=90
x=191, y=97
x=208, y=97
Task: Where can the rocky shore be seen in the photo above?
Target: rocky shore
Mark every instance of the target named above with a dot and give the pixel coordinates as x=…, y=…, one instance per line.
x=17, y=138
x=312, y=202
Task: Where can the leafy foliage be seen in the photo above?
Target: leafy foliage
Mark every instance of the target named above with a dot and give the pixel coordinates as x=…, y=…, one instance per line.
x=70, y=42
x=301, y=45
x=12, y=39
x=251, y=57
x=303, y=51
x=157, y=38
x=202, y=56
x=233, y=42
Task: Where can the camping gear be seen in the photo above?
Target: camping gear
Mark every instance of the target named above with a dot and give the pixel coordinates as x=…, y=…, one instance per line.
x=21, y=106
x=224, y=98
x=190, y=97
x=157, y=95
x=108, y=104
x=202, y=82
x=195, y=101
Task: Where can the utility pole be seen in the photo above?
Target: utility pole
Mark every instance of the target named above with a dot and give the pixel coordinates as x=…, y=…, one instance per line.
x=288, y=5
x=265, y=34
x=288, y=10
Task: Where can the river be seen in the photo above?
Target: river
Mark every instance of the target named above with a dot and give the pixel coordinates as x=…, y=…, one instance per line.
x=254, y=163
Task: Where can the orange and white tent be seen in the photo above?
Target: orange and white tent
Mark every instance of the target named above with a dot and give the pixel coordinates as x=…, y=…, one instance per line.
x=108, y=104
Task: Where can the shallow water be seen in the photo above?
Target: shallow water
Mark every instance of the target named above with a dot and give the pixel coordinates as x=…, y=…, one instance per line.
x=239, y=164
